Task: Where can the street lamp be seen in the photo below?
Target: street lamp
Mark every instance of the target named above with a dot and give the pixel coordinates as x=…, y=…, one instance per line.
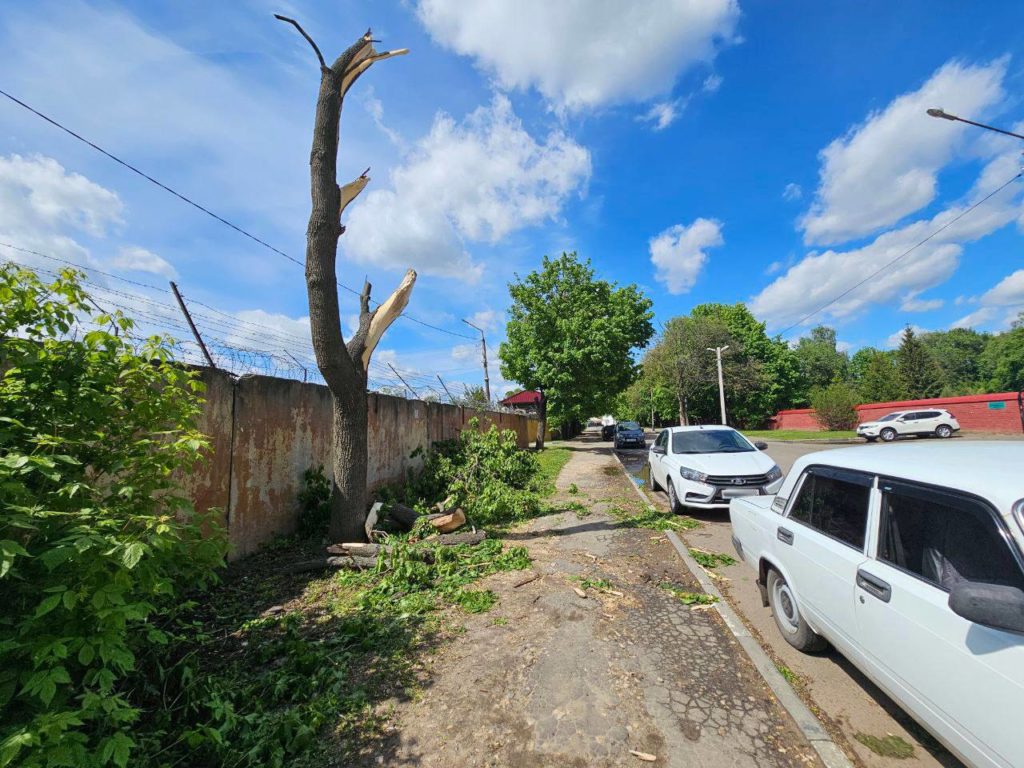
x=721, y=386
x=939, y=112
x=483, y=342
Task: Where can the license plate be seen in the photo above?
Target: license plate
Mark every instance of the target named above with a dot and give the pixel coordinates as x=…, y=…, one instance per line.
x=732, y=493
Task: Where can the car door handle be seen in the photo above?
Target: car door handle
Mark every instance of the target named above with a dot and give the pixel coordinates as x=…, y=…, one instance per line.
x=874, y=586
x=785, y=535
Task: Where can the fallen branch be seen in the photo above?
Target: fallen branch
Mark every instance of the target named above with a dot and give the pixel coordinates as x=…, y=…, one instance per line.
x=323, y=563
x=532, y=577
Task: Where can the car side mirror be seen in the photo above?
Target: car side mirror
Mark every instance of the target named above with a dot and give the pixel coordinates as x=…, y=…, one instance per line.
x=992, y=605
x=657, y=449
x=761, y=445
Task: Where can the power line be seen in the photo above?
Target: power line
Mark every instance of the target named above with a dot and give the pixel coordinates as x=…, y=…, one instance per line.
x=199, y=207
x=914, y=247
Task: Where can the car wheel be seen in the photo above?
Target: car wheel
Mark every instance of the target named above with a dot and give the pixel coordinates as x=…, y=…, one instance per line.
x=871, y=439
x=655, y=486
x=673, y=500
x=888, y=434
x=943, y=430
x=787, y=616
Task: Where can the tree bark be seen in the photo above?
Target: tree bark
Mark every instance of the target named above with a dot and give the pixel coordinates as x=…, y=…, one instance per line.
x=349, y=499
x=683, y=415
x=542, y=411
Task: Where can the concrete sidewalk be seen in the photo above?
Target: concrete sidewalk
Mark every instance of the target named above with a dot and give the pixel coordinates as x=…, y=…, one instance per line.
x=626, y=672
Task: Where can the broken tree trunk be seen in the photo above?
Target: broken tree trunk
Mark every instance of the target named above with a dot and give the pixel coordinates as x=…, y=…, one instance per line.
x=343, y=366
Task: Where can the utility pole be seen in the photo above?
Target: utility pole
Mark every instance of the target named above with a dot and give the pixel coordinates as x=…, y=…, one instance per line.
x=414, y=392
x=483, y=343
x=941, y=113
x=450, y=398
x=721, y=385
x=195, y=331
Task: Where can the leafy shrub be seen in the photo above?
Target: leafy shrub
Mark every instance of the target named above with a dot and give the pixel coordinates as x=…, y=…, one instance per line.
x=486, y=473
x=95, y=539
x=314, y=503
x=835, y=406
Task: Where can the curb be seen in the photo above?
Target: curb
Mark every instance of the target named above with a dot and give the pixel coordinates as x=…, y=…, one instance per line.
x=831, y=755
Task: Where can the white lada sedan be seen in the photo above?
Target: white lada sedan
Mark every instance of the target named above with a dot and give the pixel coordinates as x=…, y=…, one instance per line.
x=910, y=562
x=706, y=466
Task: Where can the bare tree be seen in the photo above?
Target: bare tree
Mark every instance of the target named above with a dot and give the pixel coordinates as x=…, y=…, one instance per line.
x=343, y=365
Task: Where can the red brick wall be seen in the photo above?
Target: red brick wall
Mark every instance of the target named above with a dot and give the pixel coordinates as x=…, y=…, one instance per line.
x=974, y=412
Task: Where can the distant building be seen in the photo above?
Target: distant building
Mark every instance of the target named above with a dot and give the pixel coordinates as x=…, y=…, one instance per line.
x=527, y=400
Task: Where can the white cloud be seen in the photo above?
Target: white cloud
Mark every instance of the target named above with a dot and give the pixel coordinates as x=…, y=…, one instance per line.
x=886, y=167
x=474, y=181
x=662, y=114
x=375, y=108
x=465, y=352
x=712, y=83
x=820, y=277
x=138, y=259
x=792, y=192
x=1008, y=292
x=978, y=317
x=296, y=327
x=774, y=267
x=679, y=253
x=582, y=54
x=911, y=303
x=486, y=319
x=843, y=346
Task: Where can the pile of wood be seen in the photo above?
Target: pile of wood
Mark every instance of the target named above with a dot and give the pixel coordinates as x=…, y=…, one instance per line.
x=444, y=520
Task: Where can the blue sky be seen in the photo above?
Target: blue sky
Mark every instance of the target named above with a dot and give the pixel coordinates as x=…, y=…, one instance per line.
x=726, y=151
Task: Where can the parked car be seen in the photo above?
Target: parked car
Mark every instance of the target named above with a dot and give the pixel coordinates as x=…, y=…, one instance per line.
x=706, y=466
x=910, y=562
x=608, y=432
x=629, y=434
x=936, y=421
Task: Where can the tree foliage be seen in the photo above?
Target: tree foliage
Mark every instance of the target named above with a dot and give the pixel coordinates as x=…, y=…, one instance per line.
x=95, y=536
x=835, y=406
x=573, y=336
x=1002, y=362
x=958, y=353
x=881, y=381
x=821, y=363
x=919, y=373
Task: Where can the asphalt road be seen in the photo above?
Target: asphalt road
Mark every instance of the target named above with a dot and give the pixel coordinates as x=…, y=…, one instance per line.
x=847, y=702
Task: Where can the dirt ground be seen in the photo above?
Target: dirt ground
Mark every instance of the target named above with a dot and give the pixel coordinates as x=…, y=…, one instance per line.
x=550, y=677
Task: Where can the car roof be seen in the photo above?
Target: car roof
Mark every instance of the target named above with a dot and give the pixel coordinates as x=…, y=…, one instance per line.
x=699, y=427
x=990, y=469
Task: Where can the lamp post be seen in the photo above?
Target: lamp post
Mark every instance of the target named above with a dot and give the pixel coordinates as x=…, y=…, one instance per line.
x=721, y=385
x=483, y=342
x=939, y=112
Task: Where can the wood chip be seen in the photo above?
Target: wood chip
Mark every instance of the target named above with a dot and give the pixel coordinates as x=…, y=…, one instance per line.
x=647, y=757
x=580, y=592
x=532, y=577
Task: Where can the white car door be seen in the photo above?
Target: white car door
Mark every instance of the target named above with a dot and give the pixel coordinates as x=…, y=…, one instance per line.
x=657, y=457
x=965, y=681
x=821, y=541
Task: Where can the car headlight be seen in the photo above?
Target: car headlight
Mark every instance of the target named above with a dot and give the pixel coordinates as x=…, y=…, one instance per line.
x=691, y=474
x=774, y=474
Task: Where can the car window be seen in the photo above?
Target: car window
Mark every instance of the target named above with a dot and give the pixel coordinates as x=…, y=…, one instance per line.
x=943, y=537
x=628, y=426
x=835, y=502
x=662, y=440
x=710, y=441
x=890, y=417
x=930, y=414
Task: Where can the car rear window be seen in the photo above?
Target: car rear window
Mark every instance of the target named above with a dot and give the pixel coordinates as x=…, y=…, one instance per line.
x=834, y=502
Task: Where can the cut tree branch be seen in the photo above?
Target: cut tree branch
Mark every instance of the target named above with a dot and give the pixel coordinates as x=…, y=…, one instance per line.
x=386, y=314
x=351, y=191
x=353, y=72
x=294, y=23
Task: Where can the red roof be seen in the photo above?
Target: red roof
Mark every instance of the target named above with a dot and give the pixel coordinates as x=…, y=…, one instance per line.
x=526, y=397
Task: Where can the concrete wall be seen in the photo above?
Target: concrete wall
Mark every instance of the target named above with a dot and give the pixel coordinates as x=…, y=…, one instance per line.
x=266, y=432
x=996, y=413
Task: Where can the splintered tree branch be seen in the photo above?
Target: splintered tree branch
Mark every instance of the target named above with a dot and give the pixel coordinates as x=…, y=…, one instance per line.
x=386, y=314
x=353, y=73
x=351, y=191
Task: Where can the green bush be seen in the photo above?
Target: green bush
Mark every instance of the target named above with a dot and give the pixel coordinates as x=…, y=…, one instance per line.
x=835, y=406
x=314, y=503
x=96, y=541
x=486, y=473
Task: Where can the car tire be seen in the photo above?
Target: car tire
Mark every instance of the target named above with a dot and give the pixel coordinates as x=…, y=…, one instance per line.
x=673, y=500
x=786, y=613
x=871, y=439
x=655, y=486
x=943, y=430
x=888, y=434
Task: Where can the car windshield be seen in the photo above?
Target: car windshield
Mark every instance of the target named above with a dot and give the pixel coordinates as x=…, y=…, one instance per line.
x=891, y=417
x=629, y=426
x=710, y=441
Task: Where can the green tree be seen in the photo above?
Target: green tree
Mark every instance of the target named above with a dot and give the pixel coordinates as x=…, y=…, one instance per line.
x=475, y=397
x=1002, y=362
x=859, y=362
x=573, y=337
x=96, y=538
x=835, y=406
x=958, y=352
x=821, y=363
x=779, y=384
x=881, y=381
x=647, y=400
x=919, y=374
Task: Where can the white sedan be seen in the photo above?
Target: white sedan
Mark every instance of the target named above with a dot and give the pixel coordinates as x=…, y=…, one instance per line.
x=911, y=563
x=706, y=466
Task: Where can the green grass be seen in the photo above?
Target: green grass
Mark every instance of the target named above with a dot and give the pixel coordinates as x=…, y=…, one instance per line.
x=551, y=462
x=797, y=434
x=890, y=746
x=791, y=677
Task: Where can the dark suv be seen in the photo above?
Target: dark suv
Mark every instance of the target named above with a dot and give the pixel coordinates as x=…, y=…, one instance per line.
x=629, y=434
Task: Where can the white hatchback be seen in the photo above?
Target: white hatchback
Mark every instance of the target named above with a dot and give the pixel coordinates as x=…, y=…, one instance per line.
x=911, y=563
x=934, y=421
x=706, y=466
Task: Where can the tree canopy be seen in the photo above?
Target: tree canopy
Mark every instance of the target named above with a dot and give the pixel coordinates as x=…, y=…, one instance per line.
x=573, y=336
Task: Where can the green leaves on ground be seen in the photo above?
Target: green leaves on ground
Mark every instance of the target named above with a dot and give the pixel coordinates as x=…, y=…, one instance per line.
x=689, y=598
x=651, y=517
x=97, y=541
x=711, y=559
